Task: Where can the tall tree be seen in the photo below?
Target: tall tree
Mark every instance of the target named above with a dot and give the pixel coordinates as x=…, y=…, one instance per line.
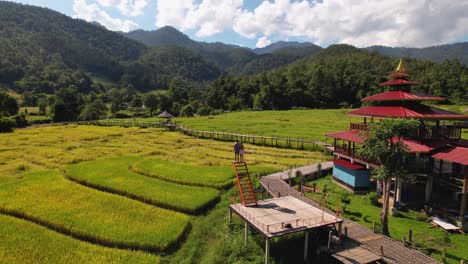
x=67, y=105
x=384, y=145
x=8, y=105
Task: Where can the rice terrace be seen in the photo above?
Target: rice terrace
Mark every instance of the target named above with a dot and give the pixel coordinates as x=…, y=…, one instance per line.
x=256, y=131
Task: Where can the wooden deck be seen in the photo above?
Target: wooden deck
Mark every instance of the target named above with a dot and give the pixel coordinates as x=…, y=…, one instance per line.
x=394, y=251
x=285, y=215
x=353, y=254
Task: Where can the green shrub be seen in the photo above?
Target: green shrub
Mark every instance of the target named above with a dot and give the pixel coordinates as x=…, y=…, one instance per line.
x=345, y=198
x=21, y=121
x=373, y=198
x=6, y=125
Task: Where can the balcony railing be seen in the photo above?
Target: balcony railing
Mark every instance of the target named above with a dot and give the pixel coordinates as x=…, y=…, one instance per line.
x=358, y=126
x=441, y=132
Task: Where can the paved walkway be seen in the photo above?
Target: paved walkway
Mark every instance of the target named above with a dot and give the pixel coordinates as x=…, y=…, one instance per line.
x=394, y=251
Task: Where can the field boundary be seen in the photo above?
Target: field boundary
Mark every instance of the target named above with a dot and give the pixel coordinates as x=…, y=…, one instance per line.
x=270, y=141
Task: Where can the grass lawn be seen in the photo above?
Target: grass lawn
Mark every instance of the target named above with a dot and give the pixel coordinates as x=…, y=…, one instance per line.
x=306, y=124
x=114, y=175
x=25, y=242
x=46, y=197
x=360, y=210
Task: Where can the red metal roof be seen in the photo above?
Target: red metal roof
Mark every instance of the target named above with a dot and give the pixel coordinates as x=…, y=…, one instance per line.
x=419, y=112
x=398, y=82
x=414, y=146
x=400, y=96
x=348, y=135
x=454, y=154
x=348, y=165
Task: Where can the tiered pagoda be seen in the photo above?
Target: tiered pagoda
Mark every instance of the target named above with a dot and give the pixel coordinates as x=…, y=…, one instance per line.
x=438, y=138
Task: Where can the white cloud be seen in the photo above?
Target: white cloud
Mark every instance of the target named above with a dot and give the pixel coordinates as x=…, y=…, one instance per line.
x=209, y=17
x=358, y=22
x=92, y=12
x=262, y=42
x=126, y=7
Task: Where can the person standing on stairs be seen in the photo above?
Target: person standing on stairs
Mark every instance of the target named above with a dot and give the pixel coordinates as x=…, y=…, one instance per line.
x=241, y=151
x=236, y=151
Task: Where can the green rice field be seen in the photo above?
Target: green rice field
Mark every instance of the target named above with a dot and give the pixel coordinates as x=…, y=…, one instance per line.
x=47, y=198
x=26, y=242
x=114, y=175
x=211, y=176
x=79, y=186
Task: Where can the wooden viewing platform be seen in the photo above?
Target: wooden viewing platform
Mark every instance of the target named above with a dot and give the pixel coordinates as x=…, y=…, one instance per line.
x=393, y=251
x=285, y=215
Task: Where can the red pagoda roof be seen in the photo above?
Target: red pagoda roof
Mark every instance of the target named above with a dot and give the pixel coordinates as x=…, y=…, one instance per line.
x=454, y=154
x=400, y=96
x=398, y=82
x=419, y=112
x=414, y=146
x=399, y=74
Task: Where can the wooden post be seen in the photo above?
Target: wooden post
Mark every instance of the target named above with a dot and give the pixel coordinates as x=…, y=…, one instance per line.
x=230, y=215
x=340, y=227
x=373, y=226
x=398, y=190
x=404, y=241
x=381, y=251
x=464, y=196
x=346, y=231
x=306, y=245
x=329, y=239
x=410, y=235
x=246, y=230
x=267, y=250
x=429, y=181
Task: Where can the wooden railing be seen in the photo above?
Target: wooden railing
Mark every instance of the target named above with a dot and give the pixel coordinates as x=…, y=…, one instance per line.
x=358, y=126
x=442, y=132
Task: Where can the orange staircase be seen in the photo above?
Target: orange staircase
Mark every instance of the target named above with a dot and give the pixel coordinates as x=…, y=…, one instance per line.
x=244, y=184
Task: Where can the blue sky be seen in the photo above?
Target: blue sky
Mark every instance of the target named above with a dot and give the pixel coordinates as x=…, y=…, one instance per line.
x=257, y=23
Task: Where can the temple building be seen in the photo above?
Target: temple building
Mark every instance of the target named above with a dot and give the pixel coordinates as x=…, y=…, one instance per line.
x=438, y=170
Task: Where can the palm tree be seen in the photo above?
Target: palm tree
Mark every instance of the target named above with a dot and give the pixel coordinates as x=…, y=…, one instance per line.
x=384, y=145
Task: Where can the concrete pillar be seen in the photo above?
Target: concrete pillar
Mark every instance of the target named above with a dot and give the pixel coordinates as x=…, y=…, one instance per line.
x=429, y=181
x=246, y=230
x=267, y=250
x=306, y=245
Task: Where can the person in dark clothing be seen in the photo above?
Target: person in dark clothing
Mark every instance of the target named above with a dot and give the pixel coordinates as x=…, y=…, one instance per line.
x=236, y=151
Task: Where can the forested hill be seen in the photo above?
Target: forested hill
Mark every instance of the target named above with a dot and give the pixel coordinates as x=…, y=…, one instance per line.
x=282, y=45
x=338, y=76
x=36, y=40
x=229, y=58
x=435, y=53
x=42, y=50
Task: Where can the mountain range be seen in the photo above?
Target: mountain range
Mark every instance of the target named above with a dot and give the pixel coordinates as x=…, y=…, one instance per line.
x=42, y=50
